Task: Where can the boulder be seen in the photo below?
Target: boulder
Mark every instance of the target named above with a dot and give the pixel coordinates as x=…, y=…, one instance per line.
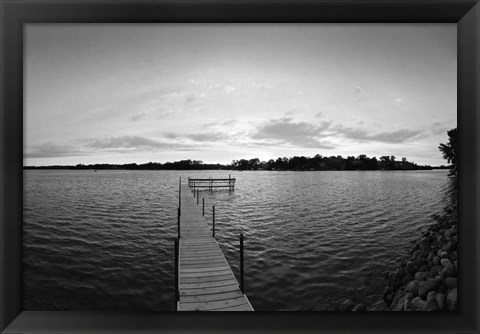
x=359, y=307
x=445, y=262
x=420, y=276
x=449, y=271
x=418, y=303
x=439, y=279
x=450, y=282
x=410, y=267
x=447, y=247
x=378, y=306
x=452, y=300
x=398, y=301
x=440, y=298
x=431, y=304
x=424, y=287
x=413, y=287
x=435, y=270
x=431, y=294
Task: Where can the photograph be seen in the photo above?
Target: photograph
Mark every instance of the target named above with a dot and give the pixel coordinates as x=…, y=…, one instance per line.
x=240, y=167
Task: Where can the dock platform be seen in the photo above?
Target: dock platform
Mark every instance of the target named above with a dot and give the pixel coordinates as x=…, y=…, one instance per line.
x=212, y=183
x=205, y=280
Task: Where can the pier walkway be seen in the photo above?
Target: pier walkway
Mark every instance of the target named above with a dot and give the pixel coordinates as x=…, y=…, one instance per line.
x=206, y=281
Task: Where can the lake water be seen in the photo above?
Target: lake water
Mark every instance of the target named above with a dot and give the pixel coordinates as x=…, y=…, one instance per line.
x=105, y=240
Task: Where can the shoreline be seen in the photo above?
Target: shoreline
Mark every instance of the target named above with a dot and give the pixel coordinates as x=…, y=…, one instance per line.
x=426, y=278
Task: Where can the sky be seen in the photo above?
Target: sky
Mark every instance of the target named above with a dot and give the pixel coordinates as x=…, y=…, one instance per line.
x=138, y=93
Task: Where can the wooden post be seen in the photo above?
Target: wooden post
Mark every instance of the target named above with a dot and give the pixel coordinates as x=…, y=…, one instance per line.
x=179, y=193
x=193, y=189
x=177, y=292
x=178, y=222
x=197, y=196
x=242, y=287
x=213, y=227
x=203, y=206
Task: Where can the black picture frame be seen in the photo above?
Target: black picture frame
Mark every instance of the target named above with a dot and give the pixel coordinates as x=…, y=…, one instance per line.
x=14, y=14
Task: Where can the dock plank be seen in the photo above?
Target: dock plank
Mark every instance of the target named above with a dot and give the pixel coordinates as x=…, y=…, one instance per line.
x=206, y=281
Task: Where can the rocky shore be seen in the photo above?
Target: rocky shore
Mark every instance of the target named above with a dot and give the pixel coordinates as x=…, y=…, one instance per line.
x=427, y=279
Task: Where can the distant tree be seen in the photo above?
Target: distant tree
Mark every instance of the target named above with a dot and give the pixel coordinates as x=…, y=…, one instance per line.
x=385, y=162
x=254, y=163
x=449, y=150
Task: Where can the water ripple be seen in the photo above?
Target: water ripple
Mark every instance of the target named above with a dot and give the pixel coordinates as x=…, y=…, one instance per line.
x=104, y=241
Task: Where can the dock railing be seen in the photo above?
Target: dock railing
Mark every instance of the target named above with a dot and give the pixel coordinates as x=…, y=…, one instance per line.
x=211, y=183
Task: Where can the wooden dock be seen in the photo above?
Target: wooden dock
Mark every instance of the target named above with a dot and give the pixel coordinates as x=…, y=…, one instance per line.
x=205, y=279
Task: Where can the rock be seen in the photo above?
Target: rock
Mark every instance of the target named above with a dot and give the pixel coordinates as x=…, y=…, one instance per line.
x=406, y=279
x=398, y=301
x=449, y=271
x=388, y=295
x=443, y=254
x=452, y=300
x=419, y=303
x=410, y=267
x=447, y=247
x=438, y=279
x=408, y=306
x=447, y=234
x=424, y=287
x=440, y=298
x=413, y=287
x=450, y=282
x=431, y=294
x=378, y=306
x=431, y=304
x=359, y=307
x=436, y=260
x=445, y=262
x=430, y=256
x=347, y=305
x=442, y=288
x=420, y=276
x=435, y=270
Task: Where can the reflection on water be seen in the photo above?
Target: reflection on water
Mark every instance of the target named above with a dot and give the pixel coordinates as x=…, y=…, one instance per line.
x=104, y=240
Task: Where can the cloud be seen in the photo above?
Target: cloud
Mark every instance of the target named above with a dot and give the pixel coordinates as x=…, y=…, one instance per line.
x=190, y=98
x=49, y=150
x=138, y=116
x=359, y=93
x=202, y=137
x=301, y=134
x=131, y=142
x=198, y=137
x=394, y=137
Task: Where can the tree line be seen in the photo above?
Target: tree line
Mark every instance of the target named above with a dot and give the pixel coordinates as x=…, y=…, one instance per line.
x=318, y=162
